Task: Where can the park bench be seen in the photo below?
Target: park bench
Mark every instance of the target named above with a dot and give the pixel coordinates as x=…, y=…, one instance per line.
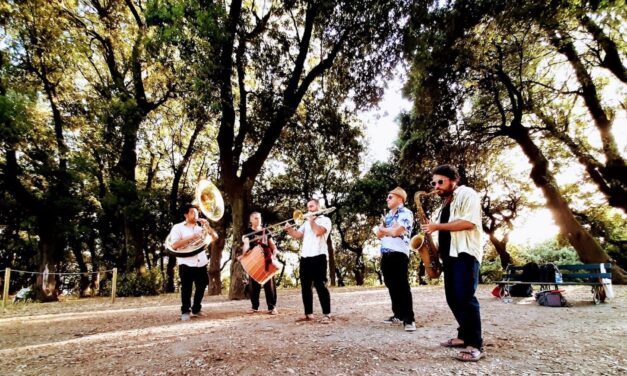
x=597, y=276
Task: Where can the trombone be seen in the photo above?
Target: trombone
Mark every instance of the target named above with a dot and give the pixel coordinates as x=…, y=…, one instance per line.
x=297, y=217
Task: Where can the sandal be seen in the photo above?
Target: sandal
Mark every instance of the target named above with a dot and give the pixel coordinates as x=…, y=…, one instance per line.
x=326, y=319
x=450, y=343
x=252, y=311
x=305, y=318
x=470, y=354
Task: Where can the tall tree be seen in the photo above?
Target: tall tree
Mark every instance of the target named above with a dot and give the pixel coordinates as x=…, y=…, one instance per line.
x=270, y=58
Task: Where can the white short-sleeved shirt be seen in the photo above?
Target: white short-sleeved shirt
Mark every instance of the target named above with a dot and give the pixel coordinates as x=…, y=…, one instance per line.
x=314, y=245
x=466, y=205
x=183, y=230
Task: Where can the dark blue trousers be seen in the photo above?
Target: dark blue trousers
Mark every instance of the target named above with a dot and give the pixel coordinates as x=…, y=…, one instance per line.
x=461, y=277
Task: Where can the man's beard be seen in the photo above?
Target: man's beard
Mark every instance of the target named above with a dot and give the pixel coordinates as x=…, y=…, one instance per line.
x=445, y=194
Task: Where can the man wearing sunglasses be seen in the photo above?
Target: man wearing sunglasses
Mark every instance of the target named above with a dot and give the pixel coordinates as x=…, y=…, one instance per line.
x=456, y=228
x=394, y=234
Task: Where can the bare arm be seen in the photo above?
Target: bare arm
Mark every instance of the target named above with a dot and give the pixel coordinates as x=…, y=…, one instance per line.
x=317, y=229
x=456, y=225
x=291, y=231
x=394, y=231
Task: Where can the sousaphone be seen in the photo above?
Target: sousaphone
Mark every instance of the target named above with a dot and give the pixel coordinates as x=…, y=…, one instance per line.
x=209, y=200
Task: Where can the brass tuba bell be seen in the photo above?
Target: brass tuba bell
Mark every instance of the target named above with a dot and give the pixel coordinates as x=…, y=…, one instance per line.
x=209, y=200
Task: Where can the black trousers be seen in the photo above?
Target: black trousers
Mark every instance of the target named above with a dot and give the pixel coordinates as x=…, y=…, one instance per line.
x=313, y=272
x=270, y=290
x=198, y=277
x=394, y=266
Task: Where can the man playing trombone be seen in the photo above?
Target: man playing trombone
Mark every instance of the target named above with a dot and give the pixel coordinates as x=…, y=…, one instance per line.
x=313, y=260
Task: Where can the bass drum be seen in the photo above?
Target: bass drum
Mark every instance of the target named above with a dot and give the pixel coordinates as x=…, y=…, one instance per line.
x=254, y=264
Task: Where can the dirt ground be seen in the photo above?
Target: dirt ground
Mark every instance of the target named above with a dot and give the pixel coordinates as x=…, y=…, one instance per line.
x=144, y=336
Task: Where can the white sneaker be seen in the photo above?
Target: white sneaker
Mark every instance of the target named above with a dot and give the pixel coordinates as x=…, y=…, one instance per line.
x=411, y=327
x=392, y=320
x=185, y=317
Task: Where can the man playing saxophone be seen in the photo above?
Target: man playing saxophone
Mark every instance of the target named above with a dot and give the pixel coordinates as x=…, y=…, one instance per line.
x=394, y=234
x=456, y=227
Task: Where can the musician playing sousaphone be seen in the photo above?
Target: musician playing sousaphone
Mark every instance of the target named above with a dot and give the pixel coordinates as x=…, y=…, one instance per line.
x=260, y=240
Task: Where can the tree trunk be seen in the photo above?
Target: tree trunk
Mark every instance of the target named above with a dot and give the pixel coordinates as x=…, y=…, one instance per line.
x=238, y=210
x=331, y=260
x=169, y=287
x=359, y=269
x=501, y=248
x=217, y=246
x=46, y=289
x=82, y=267
x=587, y=247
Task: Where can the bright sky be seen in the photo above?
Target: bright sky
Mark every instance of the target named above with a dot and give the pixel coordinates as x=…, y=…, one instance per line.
x=382, y=122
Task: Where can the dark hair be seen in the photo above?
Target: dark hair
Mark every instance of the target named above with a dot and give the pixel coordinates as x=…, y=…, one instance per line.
x=185, y=208
x=446, y=170
x=313, y=199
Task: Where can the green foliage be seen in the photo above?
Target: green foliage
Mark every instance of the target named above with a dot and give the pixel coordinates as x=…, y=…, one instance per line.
x=551, y=251
x=137, y=284
x=491, y=271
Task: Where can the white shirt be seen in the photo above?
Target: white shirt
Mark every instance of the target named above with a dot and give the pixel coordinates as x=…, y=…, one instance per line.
x=314, y=245
x=466, y=205
x=184, y=230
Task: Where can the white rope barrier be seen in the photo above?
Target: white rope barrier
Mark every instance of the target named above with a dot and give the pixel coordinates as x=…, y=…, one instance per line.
x=8, y=271
x=75, y=273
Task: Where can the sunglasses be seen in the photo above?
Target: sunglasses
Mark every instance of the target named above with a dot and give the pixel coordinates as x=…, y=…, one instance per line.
x=390, y=197
x=438, y=182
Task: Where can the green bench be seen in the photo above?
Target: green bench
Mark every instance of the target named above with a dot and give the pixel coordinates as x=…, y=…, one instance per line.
x=597, y=276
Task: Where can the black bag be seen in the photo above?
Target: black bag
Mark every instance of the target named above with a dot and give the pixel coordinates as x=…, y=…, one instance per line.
x=530, y=273
x=550, y=273
x=520, y=290
x=551, y=298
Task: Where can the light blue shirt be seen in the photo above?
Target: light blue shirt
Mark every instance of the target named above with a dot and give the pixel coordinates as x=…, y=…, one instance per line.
x=405, y=218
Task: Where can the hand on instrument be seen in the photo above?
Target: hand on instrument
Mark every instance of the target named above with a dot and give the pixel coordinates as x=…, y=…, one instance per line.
x=429, y=228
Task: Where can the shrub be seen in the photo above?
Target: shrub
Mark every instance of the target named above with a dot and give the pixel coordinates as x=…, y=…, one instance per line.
x=136, y=284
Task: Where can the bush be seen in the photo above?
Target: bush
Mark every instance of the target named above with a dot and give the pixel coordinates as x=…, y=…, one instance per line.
x=136, y=284
x=491, y=271
x=551, y=251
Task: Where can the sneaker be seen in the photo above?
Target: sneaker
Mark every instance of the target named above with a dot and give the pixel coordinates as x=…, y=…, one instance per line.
x=197, y=314
x=392, y=320
x=273, y=311
x=185, y=317
x=410, y=327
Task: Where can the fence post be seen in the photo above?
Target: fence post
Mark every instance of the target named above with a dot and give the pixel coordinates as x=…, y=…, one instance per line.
x=114, y=283
x=5, y=292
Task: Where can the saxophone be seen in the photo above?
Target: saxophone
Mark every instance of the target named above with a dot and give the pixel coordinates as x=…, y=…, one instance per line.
x=424, y=243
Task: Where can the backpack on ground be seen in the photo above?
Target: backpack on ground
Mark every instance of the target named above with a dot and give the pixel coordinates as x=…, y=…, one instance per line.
x=552, y=298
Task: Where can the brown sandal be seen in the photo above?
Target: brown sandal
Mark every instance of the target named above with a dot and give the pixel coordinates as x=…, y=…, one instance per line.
x=470, y=355
x=450, y=343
